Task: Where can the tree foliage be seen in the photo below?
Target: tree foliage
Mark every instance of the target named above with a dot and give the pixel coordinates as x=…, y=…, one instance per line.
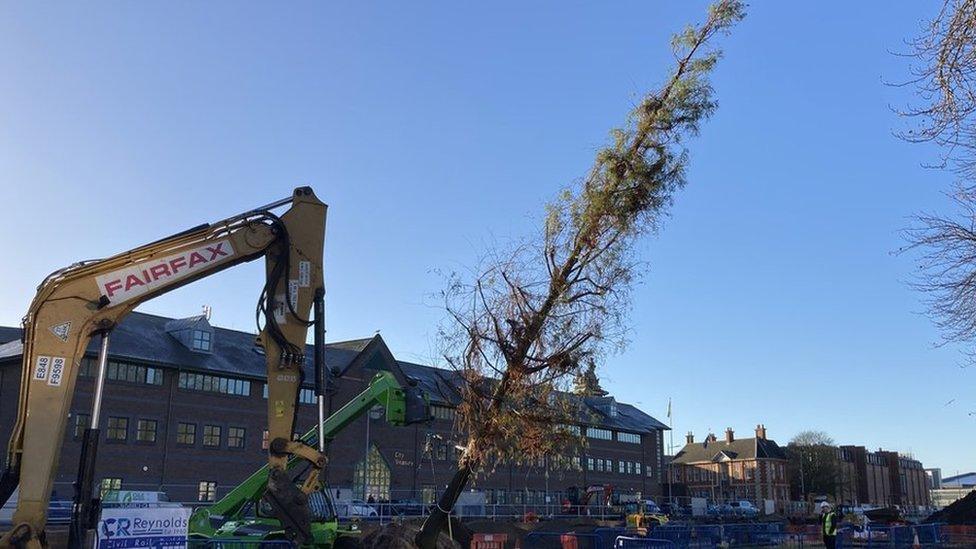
x=944, y=81
x=534, y=314
x=813, y=465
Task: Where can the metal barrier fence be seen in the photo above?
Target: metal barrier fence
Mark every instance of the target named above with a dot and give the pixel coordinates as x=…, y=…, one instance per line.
x=674, y=536
x=625, y=542
x=238, y=544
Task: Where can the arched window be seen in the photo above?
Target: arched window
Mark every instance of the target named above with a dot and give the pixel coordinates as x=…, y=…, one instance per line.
x=372, y=478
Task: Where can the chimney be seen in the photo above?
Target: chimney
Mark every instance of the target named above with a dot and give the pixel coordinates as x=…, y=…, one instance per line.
x=761, y=431
x=690, y=438
x=729, y=435
x=711, y=437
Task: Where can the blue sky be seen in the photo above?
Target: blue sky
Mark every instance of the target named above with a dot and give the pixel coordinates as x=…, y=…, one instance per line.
x=432, y=129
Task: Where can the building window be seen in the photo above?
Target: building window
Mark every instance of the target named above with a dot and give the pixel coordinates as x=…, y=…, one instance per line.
x=235, y=437
x=214, y=384
x=306, y=396
x=442, y=412
x=573, y=430
x=623, y=467
x=264, y=440
x=501, y=496
x=599, y=434
x=211, y=435
x=632, y=438
x=372, y=477
x=146, y=430
x=428, y=492
x=441, y=452
x=207, y=491
x=132, y=373
x=110, y=484
x=589, y=464
x=82, y=421
x=88, y=367
x=201, y=340
x=186, y=433
x=118, y=428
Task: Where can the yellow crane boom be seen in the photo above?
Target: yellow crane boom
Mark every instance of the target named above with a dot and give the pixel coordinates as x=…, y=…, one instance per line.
x=89, y=298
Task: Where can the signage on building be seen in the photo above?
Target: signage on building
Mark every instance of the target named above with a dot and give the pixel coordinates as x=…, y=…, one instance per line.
x=143, y=527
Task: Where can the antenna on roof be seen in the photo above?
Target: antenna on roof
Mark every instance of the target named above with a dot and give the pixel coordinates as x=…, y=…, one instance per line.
x=207, y=311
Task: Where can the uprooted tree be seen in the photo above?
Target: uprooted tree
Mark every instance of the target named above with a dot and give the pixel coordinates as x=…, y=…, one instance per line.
x=533, y=316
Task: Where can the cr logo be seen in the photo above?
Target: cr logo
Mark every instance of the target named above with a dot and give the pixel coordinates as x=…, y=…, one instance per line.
x=115, y=527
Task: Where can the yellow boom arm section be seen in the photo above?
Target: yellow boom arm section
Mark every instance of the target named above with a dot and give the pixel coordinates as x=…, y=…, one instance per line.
x=91, y=297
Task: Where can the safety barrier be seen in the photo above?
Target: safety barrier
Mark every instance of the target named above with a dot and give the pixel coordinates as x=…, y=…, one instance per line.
x=626, y=542
x=489, y=541
x=909, y=536
x=238, y=544
x=558, y=540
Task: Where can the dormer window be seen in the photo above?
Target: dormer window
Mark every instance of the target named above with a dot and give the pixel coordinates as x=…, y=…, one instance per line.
x=195, y=333
x=202, y=340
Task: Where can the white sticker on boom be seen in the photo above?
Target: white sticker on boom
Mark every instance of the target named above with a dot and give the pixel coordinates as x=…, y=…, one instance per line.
x=61, y=330
x=293, y=294
x=279, y=309
x=42, y=368
x=304, y=274
x=57, y=371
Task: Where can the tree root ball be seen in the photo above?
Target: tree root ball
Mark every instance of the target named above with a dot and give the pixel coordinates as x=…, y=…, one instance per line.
x=401, y=536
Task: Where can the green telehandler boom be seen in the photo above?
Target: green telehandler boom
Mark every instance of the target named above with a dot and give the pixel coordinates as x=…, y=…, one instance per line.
x=243, y=514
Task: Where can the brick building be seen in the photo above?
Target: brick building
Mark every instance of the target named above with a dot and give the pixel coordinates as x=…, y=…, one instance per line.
x=732, y=469
x=880, y=478
x=185, y=412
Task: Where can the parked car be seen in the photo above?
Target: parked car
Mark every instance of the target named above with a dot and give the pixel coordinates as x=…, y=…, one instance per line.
x=359, y=508
x=743, y=508
x=650, y=507
x=673, y=509
x=406, y=508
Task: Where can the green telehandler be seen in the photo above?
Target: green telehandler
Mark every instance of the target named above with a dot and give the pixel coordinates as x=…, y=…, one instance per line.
x=245, y=516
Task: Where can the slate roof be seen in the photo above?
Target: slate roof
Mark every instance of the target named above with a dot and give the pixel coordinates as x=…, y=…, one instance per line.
x=441, y=385
x=9, y=334
x=145, y=338
x=743, y=448
x=965, y=480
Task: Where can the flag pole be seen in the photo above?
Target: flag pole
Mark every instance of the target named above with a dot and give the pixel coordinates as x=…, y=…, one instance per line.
x=670, y=449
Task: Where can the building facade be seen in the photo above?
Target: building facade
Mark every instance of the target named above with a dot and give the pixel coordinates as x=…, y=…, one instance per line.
x=732, y=469
x=185, y=411
x=948, y=490
x=880, y=478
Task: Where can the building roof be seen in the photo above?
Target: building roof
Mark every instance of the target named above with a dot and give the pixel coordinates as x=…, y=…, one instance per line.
x=147, y=338
x=144, y=337
x=720, y=450
x=9, y=334
x=442, y=385
x=965, y=480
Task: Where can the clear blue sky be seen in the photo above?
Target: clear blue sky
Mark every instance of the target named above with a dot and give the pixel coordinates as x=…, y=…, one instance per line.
x=433, y=128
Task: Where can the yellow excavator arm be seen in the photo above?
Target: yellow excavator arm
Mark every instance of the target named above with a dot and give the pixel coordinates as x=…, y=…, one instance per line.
x=89, y=298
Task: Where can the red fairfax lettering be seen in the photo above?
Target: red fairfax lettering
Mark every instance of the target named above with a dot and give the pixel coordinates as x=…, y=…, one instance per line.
x=159, y=271
x=133, y=280
x=177, y=263
x=216, y=251
x=196, y=258
x=112, y=286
